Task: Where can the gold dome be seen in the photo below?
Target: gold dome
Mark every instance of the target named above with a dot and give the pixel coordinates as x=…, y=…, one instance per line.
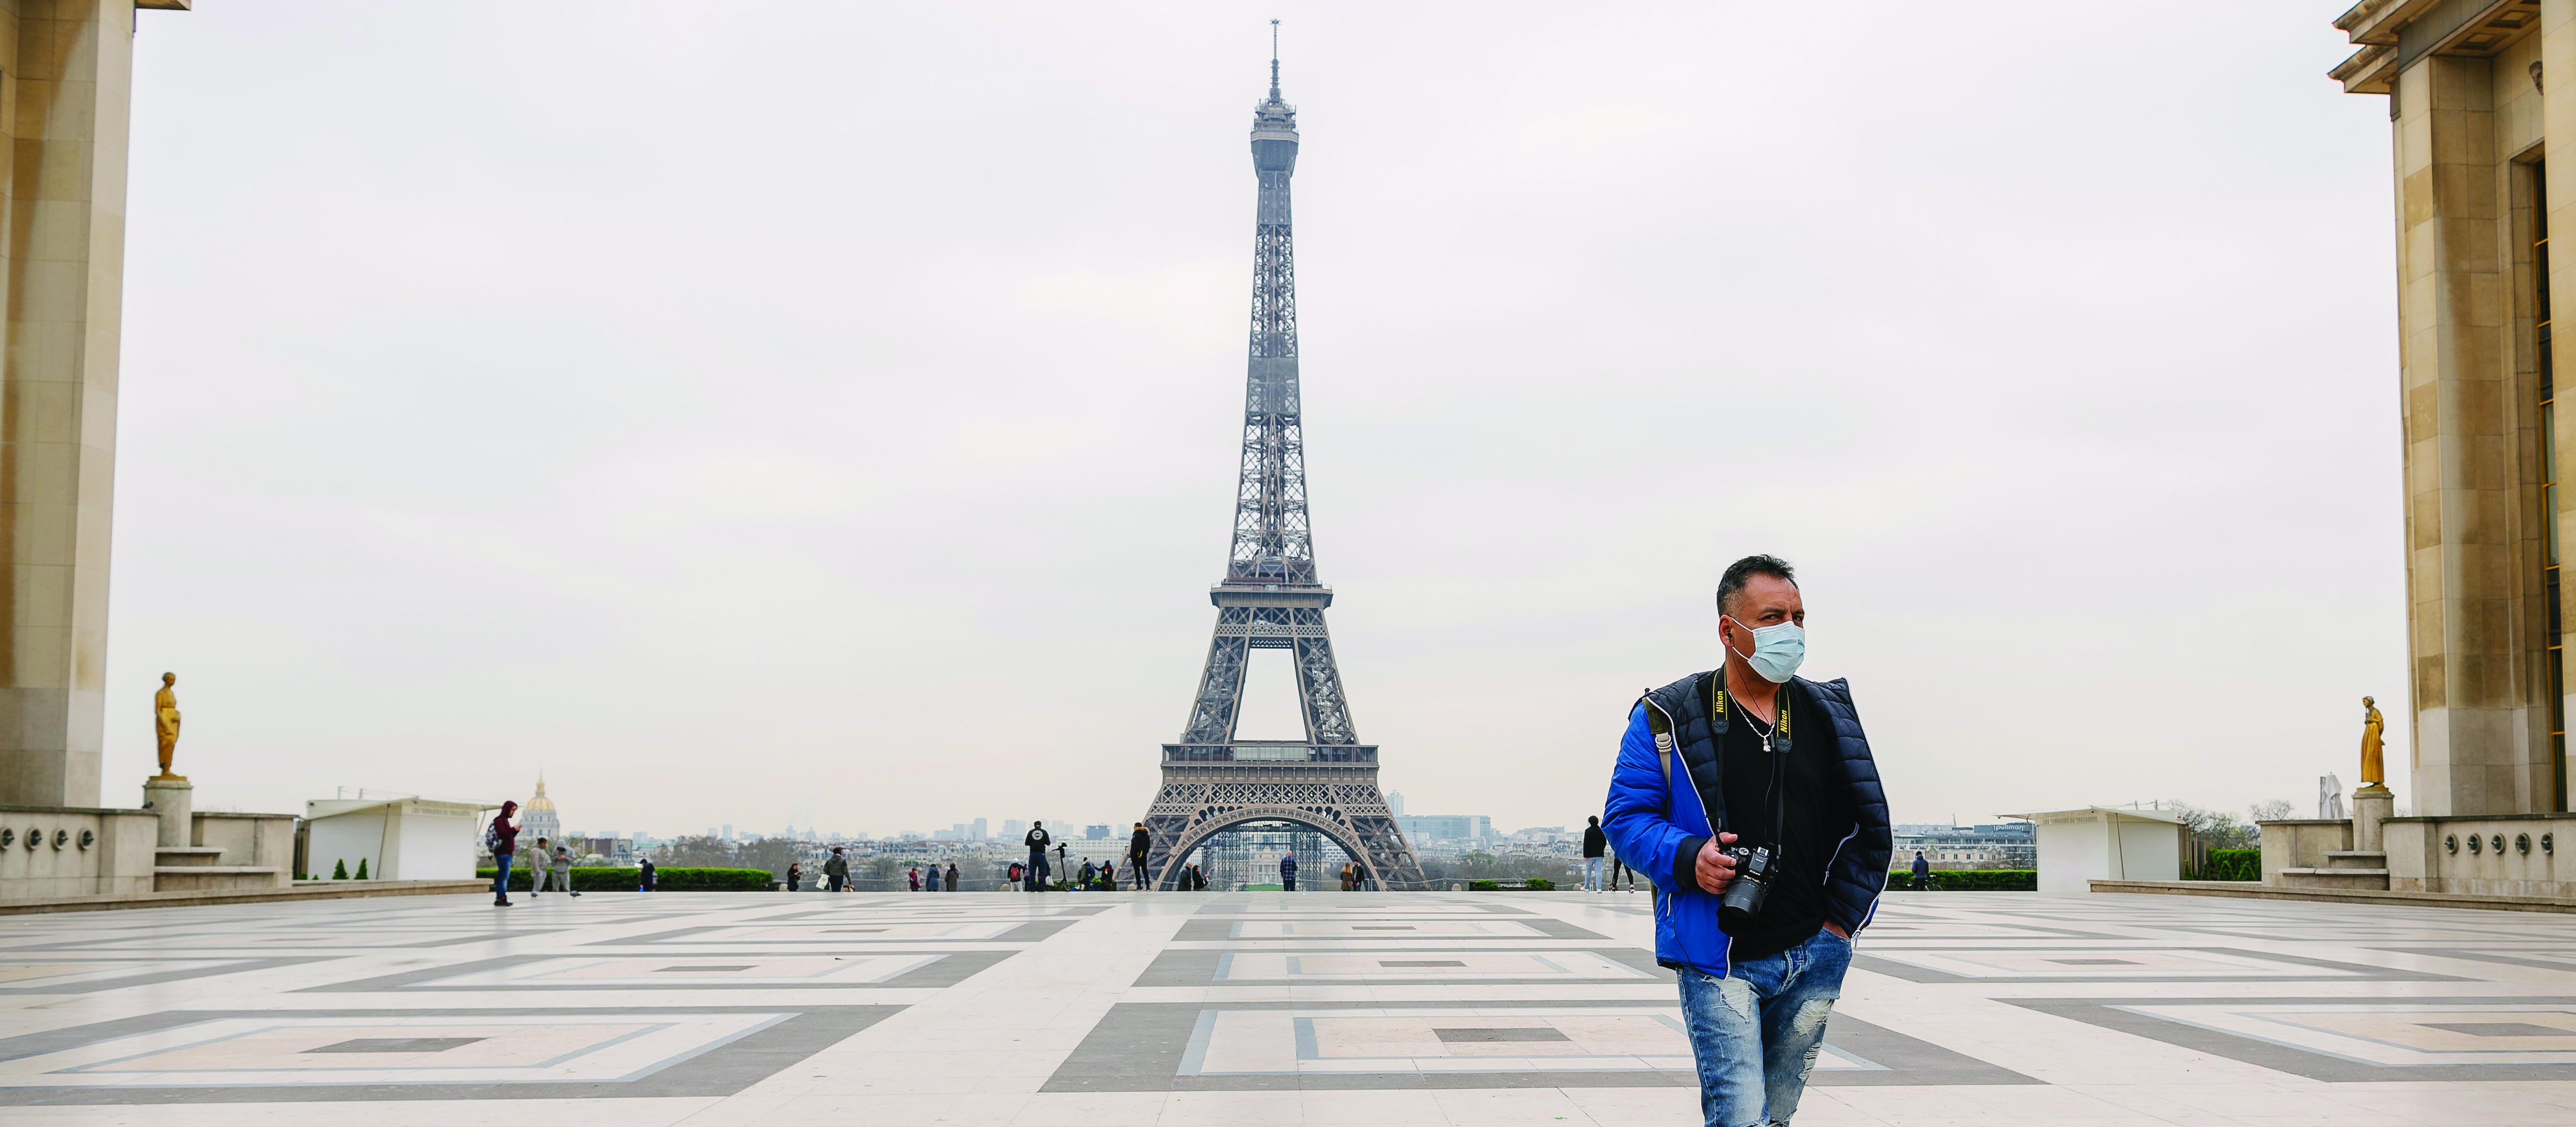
x=540, y=802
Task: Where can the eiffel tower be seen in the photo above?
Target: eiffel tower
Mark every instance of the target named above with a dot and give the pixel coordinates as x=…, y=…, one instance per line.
x=1270, y=599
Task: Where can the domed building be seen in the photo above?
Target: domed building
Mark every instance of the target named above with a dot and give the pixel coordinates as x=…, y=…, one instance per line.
x=537, y=818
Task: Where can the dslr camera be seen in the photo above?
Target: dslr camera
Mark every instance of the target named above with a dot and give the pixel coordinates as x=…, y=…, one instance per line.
x=1741, y=903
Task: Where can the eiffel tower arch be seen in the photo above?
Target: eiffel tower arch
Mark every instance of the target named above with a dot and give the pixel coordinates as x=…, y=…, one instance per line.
x=1270, y=599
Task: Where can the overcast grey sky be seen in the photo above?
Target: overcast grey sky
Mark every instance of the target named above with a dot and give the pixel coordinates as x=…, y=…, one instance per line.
x=728, y=408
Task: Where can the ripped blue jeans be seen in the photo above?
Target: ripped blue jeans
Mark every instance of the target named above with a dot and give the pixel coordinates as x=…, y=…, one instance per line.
x=1756, y=1032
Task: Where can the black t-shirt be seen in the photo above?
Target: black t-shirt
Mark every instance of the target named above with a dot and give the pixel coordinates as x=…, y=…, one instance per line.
x=1819, y=815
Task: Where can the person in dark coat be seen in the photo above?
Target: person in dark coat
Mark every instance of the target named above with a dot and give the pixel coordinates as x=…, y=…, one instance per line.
x=504, y=840
x=1595, y=843
x=1037, y=840
x=1922, y=871
x=952, y=876
x=647, y=878
x=933, y=884
x=836, y=871
x=913, y=874
x=1140, y=845
x=795, y=876
x=1288, y=872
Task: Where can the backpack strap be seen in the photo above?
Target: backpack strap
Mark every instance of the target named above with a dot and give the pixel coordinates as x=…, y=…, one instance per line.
x=1663, y=730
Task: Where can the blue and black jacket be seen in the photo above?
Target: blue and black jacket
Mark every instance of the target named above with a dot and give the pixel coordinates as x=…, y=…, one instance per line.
x=1659, y=831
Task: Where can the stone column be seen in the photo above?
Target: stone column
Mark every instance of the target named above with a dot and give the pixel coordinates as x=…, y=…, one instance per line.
x=174, y=800
x=2370, y=806
x=2462, y=481
x=65, y=69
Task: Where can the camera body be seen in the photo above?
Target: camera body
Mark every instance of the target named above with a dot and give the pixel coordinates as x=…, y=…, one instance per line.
x=1741, y=904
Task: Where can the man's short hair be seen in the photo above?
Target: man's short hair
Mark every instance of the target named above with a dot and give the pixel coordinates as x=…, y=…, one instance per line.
x=1741, y=571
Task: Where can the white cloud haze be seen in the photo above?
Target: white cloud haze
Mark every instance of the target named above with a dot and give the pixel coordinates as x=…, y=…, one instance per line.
x=731, y=409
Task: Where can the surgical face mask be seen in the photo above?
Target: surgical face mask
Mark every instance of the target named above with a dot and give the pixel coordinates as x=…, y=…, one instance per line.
x=1777, y=650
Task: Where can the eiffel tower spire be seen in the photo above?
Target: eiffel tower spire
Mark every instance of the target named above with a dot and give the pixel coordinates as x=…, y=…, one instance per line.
x=1270, y=598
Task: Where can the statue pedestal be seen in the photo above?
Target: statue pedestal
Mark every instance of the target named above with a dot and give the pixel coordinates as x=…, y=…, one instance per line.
x=2370, y=806
x=171, y=799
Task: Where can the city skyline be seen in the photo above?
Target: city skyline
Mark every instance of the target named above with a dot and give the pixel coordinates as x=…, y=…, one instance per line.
x=837, y=430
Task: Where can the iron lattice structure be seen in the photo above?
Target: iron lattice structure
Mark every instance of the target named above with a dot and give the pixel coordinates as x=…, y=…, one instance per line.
x=1271, y=599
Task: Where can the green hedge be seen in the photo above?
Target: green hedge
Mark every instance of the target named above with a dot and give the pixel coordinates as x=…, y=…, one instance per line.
x=1970, y=880
x=2231, y=864
x=603, y=878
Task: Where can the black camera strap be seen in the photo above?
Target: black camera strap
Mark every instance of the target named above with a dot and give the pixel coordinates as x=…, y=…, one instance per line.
x=1777, y=788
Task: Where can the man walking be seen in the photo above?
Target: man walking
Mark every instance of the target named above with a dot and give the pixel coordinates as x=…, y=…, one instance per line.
x=1287, y=872
x=1595, y=843
x=502, y=839
x=1037, y=841
x=1139, y=846
x=645, y=878
x=537, y=866
x=1748, y=795
x=1922, y=871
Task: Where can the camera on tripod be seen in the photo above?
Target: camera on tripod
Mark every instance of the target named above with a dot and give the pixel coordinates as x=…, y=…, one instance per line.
x=1741, y=903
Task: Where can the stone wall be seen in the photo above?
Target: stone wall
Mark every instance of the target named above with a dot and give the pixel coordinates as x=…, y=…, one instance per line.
x=2302, y=843
x=50, y=851
x=2498, y=855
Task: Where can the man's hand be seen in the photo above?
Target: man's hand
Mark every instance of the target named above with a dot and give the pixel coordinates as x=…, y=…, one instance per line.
x=1714, y=868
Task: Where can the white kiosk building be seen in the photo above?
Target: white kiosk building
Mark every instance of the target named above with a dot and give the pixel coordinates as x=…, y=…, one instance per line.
x=2077, y=847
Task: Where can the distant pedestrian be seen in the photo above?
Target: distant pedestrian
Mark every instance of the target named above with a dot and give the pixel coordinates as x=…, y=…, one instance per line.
x=1595, y=843
x=1922, y=871
x=1287, y=872
x=563, y=869
x=1016, y=870
x=795, y=877
x=933, y=884
x=1037, y=840
x=1349, y=881
x=836, y=871
x=1619, y=871
x=1109, y=875
x=502, y=839
x=540, y=864
x=647, y=878
x=1090, y=872
x=914, y=875
x=1140, y=845
x=952, y=876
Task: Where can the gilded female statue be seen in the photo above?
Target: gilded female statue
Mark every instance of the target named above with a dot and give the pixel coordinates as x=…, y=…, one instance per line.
x=2372, y=772
x=165, y=721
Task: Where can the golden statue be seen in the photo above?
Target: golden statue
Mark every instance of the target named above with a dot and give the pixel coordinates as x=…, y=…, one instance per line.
x=165, y=723
x=2372, y=772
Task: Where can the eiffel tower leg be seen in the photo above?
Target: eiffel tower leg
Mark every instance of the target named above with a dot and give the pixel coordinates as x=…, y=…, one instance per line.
x=1319, y=682
x=1220, y=699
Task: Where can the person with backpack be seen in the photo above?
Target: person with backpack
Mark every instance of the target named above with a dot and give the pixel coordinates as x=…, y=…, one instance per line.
x=647, y=878
x=836, y=871
x=502, y=839
x=1037, y=840
x=1750, y=796
x=1089, y=873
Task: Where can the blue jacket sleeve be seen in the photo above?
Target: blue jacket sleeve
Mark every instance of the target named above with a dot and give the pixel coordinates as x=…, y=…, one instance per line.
x=1634, y=815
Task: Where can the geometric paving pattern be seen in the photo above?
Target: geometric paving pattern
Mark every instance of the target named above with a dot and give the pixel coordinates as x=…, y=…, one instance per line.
x=773, y=1009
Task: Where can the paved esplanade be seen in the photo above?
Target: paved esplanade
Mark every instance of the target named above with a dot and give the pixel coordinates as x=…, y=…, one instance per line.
x=1121, y=1008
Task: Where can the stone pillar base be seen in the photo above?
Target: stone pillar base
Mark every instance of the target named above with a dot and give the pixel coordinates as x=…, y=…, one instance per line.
x=171, y=798
x=2370, y=806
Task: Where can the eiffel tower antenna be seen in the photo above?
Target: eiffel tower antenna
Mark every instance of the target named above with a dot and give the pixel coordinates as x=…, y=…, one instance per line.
x=1325, y=783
